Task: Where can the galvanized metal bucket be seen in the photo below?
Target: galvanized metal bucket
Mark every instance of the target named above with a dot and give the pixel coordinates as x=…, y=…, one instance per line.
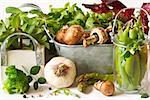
x=95, y=58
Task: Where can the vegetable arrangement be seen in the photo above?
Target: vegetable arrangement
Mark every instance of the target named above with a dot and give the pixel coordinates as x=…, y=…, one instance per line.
x=69, y=24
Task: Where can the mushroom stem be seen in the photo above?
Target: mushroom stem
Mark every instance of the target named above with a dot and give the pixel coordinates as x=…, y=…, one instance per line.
x=97, y=35
x=90, y=40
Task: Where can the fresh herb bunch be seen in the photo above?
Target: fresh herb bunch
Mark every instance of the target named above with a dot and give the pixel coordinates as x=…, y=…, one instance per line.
x=30, y=22
x=73, y=15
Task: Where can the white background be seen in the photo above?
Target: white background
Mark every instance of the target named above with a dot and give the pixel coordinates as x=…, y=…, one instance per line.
x=44, y=4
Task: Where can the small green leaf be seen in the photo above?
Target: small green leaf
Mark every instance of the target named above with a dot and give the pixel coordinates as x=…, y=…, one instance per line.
x=35, y=70
x=13, y=10
x=15, y=22
x=35, y=85
x=144, y=95
x=90, y=23
x=29, y=78
x=2, y=27
x=44, y=38
x=11, y=41
x=30, y=29
x=23, y=27
x=41, y=80
x=127, y=54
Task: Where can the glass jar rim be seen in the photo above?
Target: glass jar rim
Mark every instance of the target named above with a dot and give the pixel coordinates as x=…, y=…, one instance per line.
x=120, y=44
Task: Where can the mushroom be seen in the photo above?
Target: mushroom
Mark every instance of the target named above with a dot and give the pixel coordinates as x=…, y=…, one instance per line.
x=61, y=33
x=105, y=87
x=73, y=35
x=97, y=35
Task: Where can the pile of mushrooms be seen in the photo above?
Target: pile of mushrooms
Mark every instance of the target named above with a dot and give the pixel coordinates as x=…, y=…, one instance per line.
x=75, y=34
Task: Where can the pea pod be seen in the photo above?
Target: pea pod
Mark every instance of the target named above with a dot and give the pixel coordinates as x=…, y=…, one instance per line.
x=133, y=33
x=137, y=73
x=124, y=37
x=143, y=61
x=140, y=34
x=117, y=65
x=121, y=66
x=129, y=65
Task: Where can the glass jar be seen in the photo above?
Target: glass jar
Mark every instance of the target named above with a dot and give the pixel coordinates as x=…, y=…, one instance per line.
x=129, y=69
x=130, y=53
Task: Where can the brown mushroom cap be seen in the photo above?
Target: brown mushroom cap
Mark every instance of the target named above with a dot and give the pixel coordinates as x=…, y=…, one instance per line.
x=73, y=34
x=107, y=88
x=61, y=33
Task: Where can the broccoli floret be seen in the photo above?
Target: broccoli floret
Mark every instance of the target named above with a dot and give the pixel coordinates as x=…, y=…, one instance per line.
x=16, y=81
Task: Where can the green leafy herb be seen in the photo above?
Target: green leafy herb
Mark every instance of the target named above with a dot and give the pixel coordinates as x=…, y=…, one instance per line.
x=41, y=80
x=13, y=10
x=20, y=21
x=65, y=91
x=35, y=70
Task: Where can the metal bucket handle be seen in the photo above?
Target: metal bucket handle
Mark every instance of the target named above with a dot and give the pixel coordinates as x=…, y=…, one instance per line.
x=114, y=23
x=30, y=5
x=35, y=44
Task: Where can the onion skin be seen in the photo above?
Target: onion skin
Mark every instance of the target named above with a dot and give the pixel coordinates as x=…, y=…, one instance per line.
x=59, y=81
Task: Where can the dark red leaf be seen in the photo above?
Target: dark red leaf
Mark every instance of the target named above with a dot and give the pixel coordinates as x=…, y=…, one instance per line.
x=108, y=1
x=104, y=7
x=117, y=5
x=98, y=8
x=145, y=20
x=146, y=6
x=126, y=15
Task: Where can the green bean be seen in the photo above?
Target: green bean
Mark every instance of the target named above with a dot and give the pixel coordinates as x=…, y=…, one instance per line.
x=124, y=37
x=133, y=33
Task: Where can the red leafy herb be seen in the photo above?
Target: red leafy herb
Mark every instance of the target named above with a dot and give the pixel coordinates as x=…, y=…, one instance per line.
x=144, y=17
x=98, y=8
x=126, y=15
